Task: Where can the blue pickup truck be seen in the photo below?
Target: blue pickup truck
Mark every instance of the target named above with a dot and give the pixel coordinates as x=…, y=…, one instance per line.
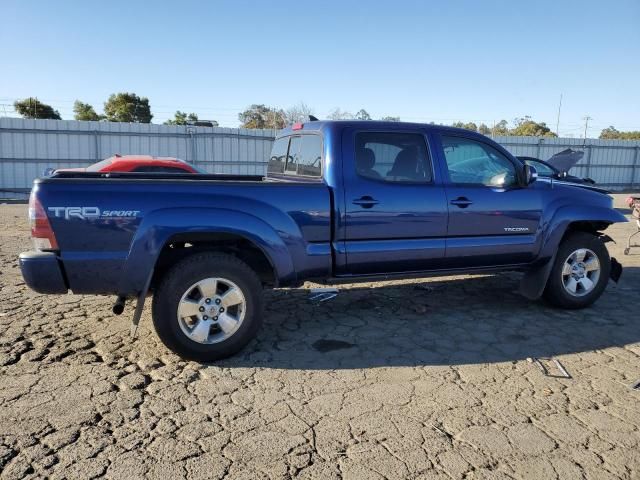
x=343, y=201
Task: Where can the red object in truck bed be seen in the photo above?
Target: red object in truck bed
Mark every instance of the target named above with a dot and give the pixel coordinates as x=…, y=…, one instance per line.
x=137, y=163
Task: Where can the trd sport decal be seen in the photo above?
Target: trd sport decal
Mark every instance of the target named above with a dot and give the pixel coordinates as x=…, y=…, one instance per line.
x=85, y=213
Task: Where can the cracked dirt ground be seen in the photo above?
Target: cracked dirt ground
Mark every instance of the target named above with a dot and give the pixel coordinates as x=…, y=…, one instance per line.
x=414, y=379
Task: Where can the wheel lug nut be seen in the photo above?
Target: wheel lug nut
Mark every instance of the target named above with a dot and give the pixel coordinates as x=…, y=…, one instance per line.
x=215, y=319
x=208, y=300
x=217, y=301
x=221, y=309
x=204, y=317
x=201, y=309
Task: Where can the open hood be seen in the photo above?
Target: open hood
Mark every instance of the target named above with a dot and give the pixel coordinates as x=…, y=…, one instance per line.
x=566, y=159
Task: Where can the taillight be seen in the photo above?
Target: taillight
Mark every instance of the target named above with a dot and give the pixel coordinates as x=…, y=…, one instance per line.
x=41, y=231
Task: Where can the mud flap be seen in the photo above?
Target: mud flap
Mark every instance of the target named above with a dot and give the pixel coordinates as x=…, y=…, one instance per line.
x=140, y=306
x=616, y=270
x=535, y=279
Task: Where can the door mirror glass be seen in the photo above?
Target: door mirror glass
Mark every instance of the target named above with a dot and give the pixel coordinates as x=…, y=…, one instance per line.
x=530, y=174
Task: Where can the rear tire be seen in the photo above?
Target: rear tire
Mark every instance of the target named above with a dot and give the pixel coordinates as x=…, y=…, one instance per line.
x=580, y=272
x=186, y=306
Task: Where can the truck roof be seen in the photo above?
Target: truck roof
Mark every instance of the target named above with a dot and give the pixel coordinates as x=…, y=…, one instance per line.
x=320, y=125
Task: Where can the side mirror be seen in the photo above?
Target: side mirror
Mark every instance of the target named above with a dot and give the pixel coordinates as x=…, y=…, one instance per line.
x=530, y=174
x=48, y=172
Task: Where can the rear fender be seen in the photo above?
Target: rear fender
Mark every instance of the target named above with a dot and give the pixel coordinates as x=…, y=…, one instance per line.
x=159, y=226
x=535, y=279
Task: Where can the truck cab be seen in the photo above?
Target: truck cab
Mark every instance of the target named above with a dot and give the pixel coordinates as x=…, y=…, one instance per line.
x=413, y=197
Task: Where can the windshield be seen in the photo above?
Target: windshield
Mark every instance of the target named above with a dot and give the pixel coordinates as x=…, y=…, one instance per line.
x=197, y=169
x=542, y=169
x=96, y=167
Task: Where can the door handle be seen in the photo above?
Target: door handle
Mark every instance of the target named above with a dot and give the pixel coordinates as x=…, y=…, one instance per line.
x=366, y=201
x=461, y=202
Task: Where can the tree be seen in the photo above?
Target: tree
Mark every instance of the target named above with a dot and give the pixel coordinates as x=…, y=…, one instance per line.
x=363, y=115
x=298, y=114
x=390, y=119
x=612, y=133
x=261, y=116
x=501, y=129
x=33, y=108
x=483, y=129
x=85, y=112
x=182, y=118
x=338, y=114
x=525, y=127
x=467, y=126
x=127, y=107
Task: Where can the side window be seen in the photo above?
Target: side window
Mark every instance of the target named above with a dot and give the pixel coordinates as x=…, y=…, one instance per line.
x=472, y=162
x=158, y=169
x=393, y=157
x=278, y=157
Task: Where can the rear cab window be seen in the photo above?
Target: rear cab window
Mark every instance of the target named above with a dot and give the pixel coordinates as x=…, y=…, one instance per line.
x=296, y=155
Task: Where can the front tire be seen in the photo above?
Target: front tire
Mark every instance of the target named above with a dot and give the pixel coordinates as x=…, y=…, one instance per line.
x=208, y=306
x=580, y=272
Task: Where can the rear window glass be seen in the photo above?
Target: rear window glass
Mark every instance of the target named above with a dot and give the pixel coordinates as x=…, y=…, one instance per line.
x=293, y=158
x=297, y=155
x=278, y=158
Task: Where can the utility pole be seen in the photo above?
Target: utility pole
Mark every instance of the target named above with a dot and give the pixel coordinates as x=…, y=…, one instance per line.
x=558, y=122
x=586, y=125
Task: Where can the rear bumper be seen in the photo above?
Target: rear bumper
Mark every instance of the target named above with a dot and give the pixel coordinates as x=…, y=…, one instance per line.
x=42, y=272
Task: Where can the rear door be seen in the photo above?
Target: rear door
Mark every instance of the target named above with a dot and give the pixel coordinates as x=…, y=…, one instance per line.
x=395, y=207
x=492, y=219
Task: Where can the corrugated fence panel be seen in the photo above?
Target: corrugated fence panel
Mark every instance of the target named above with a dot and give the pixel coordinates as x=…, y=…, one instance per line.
x=28, y=147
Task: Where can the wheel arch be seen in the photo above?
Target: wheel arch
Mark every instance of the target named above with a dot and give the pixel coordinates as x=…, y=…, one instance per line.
x=210, y=229
x=184, y=244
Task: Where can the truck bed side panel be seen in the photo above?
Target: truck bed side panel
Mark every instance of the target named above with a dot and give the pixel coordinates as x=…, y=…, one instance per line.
x=97, y=220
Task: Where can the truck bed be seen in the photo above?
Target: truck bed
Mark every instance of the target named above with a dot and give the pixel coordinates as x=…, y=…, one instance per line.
x=107, y=225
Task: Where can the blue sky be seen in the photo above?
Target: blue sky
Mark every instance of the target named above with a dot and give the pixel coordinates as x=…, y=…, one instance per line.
x=439, y=61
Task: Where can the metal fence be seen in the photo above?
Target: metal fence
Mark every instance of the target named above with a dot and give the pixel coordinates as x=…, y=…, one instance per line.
x=28, y=147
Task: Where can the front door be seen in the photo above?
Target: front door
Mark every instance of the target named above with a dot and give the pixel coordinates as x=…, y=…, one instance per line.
x=395, y=209
x=493, y=220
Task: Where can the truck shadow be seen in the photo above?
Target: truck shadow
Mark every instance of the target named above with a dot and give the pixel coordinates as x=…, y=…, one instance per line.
x=440, y=322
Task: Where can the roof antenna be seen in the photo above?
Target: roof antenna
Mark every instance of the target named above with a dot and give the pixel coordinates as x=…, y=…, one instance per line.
x=312, y=118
